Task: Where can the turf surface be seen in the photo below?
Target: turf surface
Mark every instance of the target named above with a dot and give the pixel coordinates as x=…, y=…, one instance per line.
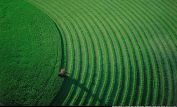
x=118, y=52
x=30, y=55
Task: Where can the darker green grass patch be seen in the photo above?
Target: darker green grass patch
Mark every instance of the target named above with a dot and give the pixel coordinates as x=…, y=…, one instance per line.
x=30, y=55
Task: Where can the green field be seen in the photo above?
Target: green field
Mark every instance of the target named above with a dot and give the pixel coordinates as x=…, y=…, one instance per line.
x=117, y=52
x=30, y=55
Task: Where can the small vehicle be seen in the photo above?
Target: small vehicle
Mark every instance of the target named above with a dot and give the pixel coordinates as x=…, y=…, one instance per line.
x=62, y=73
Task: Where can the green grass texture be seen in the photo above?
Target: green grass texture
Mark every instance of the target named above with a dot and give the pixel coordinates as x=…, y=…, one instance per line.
x=30, y=55
x=117, y=52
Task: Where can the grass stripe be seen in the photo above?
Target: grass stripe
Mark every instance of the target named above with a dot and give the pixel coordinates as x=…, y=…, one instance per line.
x=122, y=37
x=106, y=15
x=74, y=100
x=113, y=45
x=106, y=49
x=162, y=71
x=142, y=51
x=165, y=47
x=145, y=34
x=70, y=63
x=82, y=52
x=110, y=97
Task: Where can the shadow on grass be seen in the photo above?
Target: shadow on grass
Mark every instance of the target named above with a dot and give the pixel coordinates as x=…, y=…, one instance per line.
x=64, y=90
x=68, y=82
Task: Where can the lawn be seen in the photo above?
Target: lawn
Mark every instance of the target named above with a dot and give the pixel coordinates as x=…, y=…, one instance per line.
x=30, y=55
x=117, y=52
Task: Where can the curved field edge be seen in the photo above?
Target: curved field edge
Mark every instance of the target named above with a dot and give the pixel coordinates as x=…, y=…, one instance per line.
x=30, y=55
x=117, y=52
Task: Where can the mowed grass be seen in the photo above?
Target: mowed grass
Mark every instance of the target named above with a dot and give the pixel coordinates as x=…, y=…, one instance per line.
x=30, y=55
x=116, y=52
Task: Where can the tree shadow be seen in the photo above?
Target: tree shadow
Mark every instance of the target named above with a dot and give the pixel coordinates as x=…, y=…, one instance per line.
x=64, y=90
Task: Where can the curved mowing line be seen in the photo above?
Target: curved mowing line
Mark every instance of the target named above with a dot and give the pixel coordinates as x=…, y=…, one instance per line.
x=125, y=95
x=167, y=15
x=70, y=48
x=175, y=40
x=141, y=53
x=103, y=50
x=78, y=16
x=142, y=22
x=74, y=99
x=173, y=44
x=77, y=65
x=77, y=98
x=110, y=96
x=72, y=89
x=172, y=60
x=106, y=55
x=145, y=34
x=103, y=42
x=89, y=92
x=124, y=41
x=166, y=25
x=78, y=75
x=172, y=38
x=172, y=9
x=71, y=103
x=117, y=28
x=105, y=18
x=160, y=70
x=167, y=69
x=124, y=102
x=161, y=80
x=149, y=57
x=121, y=36
x=112, y=81
x=160, y=102
x=145, y=62
x=162, y=83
